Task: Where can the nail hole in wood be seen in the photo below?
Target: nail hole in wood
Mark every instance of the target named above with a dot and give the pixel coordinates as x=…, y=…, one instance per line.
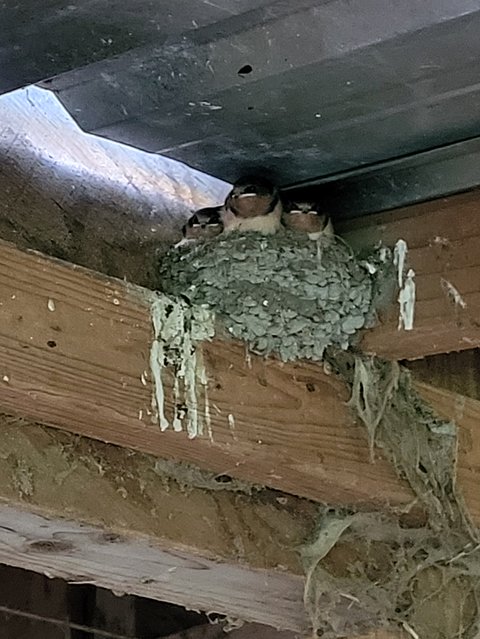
x=245, y=70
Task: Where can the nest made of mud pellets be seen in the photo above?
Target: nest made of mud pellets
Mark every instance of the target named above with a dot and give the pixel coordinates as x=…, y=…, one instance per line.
x=282, y=294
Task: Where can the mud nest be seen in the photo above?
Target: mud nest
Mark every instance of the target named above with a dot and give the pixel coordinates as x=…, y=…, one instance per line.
x=280, y=294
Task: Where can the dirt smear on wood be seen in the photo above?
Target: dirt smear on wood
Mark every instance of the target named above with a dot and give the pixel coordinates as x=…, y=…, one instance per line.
x=135, y=494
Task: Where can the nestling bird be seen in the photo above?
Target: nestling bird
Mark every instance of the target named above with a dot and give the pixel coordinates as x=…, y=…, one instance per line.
x=204, y=224
x=253, y=204
x=306, y=217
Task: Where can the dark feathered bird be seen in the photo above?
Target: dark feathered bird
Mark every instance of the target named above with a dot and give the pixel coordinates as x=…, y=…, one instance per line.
x=253, y=204
x=307, y=217
x=204, y=224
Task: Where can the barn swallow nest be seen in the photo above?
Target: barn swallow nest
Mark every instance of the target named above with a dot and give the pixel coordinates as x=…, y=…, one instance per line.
x=280, y=294
x=292, y=296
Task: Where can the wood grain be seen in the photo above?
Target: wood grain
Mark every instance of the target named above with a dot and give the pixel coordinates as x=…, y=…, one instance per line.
x=57, y=473
x=85, y=554
x=75, y=346
x=122, y=497
x=443, y=238
x=456, y=372
x=79, y=367
x=465, y=412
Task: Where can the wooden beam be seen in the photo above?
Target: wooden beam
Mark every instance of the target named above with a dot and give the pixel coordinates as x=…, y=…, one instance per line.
x=75, y=354
x=443, y=238
x=136, y=530
x=57, y=473
x=86, y=554
x=465, y=412
x=442, y=235
x=455, y=372
x=75, y=350
x=83, y=554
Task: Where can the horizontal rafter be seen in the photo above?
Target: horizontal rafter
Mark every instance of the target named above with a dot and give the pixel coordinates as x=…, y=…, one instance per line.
x=75, y=350
x=75, y=354
x=90, y=512
x=87, y=554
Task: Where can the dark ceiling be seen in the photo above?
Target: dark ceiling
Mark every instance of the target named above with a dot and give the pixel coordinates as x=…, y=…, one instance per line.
x=372, y=98
x=42, y=38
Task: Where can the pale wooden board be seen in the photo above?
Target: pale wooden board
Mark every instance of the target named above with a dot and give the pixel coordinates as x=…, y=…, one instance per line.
x=443, y=238
x=85, y=554
x=291, y=429
x=112, y=490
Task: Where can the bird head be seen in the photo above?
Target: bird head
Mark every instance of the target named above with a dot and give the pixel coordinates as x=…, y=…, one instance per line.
x=204, y=224
x=304, y=216
x=252, y=196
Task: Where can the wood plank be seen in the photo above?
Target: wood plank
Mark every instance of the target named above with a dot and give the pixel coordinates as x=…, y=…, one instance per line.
x=451, y=385
x=84, y=554
x=80, y=367
x=465, y=412
x=443, y=238
x=59, y=473
x=126, y=520
x=456, y=372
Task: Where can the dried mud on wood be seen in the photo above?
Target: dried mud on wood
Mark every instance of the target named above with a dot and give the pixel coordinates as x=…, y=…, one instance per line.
x=133, y=493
